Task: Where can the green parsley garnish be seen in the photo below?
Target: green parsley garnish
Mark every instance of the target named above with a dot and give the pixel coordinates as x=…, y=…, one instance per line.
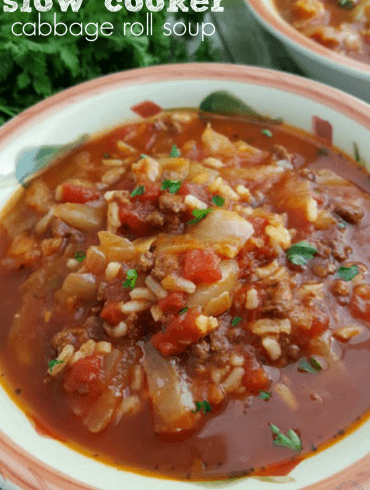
x=131, y=278
x=267, y=133
x=204, y=406
x=171, y=185
x=184, y=310
x=311, y=366
x=106, y=155
x=301, y=253
x=291, y=440
x=80, y=255
x=198, y=215
x=322, y=152
x=139, y=191
x=346, y=4
x=218, y=200
x=236, y=320
x=348, y=273
x=264, y=395
x=175, y=152
x=53, y=363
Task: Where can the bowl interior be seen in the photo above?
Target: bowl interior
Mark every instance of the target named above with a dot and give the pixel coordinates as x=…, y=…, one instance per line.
x=106, y=102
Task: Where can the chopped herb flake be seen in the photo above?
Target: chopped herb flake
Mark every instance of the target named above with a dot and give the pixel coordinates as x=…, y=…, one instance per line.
x=184, y=310
x=301, y=253
x=80, y=255
x=198, y=215
x=106, y=155
x=236, y=320
x=204, y=406
x=322, y=152
x=53, y=363
x=131, y=278
x=143, y=155
x=312, y=366
x=348, y=273
x=346, y=4
x=175, y=152
x=267, y=133
x=218, y=200
x=139, y=191
x=264, y=395
x=291, y=440
x=171, y=185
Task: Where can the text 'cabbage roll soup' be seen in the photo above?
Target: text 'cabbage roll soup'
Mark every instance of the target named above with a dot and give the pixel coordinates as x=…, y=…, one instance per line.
x=188, y=295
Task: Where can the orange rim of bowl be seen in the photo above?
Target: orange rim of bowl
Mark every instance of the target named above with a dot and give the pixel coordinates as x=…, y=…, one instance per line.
x=16, y=464
x=278, y=25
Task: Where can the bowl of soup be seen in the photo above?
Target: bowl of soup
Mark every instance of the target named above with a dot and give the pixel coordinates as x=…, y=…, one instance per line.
x=328, y=39
x=186, y=294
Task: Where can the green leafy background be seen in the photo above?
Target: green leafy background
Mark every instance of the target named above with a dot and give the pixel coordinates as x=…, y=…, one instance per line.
x=32, y=68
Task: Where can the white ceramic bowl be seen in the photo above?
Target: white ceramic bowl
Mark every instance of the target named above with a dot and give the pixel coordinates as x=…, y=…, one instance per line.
x=317, y=61
x=33, y=462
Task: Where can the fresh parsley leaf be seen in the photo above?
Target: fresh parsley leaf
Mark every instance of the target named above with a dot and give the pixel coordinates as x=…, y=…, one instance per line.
x=139, y=191
x=291, y=440
x=236, y=320
x=264, y=395
x=267, y=133
x=106, y=155
x=301, y=253
x=312, y=366
x=175, y=152
x=184, y=310
x=322, y=152
x=131, y=278
x=199, y=214
x=204, y=406
x=80, y=255
x=53, y=363
x=171, y=185
x=143, y=155
x=348, y=273
x=218, y=200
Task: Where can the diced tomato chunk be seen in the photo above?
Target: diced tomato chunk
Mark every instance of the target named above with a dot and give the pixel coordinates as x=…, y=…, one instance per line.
x=255, y=377
x=133, y=216
x=78, y=194
x=320, y=323
x=146, y=109
x=111, y=313
x=202, y=266
x=180, y=332
x=174, y=302
x=84, y=377
x=152, y=191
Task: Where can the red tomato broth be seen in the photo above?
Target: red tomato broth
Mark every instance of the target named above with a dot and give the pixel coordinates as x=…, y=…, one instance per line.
x=235, y=438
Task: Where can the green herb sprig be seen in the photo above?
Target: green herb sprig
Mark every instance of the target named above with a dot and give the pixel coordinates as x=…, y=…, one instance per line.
x=199, y=214
x=301, y=253
x=175, y=152
x=312, y=366
x=53, y=363
x=171, y=185
x=348, y=273
x=203, y=406
x=291, y=440
x=131, y=278
x=80, y=256
x=139, y=191
x=218, y=201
